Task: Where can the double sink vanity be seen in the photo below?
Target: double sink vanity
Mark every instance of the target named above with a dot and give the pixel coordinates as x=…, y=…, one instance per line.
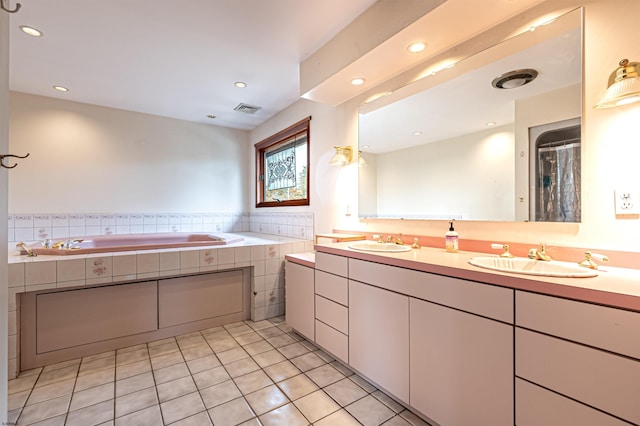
x=466, y=345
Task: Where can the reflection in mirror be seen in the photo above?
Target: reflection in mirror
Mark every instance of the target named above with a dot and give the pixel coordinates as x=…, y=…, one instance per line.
x=460, y=148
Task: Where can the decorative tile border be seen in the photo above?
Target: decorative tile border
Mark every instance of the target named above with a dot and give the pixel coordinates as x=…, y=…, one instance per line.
x=30, y=227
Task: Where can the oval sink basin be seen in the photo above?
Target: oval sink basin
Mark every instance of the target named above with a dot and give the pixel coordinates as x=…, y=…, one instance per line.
x=522, y=265
x=373, y=246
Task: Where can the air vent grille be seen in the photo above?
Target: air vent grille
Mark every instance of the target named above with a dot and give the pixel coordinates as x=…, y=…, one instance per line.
x=247, y=109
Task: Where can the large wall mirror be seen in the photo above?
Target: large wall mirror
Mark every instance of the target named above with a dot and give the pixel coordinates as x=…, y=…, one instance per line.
x=456, y=146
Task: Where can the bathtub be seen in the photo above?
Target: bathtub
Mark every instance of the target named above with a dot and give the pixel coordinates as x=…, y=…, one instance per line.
x=133, y=242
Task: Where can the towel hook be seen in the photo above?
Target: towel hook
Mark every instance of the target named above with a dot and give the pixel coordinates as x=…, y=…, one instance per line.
x=2, y=157
x=18, y=6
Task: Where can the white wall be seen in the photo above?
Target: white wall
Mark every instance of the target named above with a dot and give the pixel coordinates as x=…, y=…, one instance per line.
x=91, y=159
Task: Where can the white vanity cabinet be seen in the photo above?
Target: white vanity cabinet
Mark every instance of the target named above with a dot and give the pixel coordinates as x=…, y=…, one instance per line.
x=332, y=305
x=578, y=355
x=299, y=296
x=379, y=337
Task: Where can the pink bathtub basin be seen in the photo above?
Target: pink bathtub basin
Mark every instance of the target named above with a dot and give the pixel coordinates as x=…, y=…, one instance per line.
x=109, y=243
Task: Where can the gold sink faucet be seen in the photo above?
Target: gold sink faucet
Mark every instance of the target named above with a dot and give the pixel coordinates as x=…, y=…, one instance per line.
x=539, y=253
x=588, y=262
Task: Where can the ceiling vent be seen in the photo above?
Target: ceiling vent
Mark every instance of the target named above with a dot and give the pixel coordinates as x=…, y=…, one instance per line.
x=247, y=109
x=513, y=79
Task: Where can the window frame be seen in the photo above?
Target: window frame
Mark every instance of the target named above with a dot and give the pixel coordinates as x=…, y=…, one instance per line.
x=302, y=126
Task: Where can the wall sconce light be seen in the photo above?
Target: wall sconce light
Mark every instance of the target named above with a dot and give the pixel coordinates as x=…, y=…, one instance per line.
x=361, y=161
x=623, y=87
x=342, y=157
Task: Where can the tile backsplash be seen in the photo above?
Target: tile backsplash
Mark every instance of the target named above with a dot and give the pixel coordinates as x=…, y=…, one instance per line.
x=29, y=227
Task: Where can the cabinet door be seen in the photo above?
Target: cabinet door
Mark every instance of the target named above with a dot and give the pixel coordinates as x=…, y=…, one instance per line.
x=299, y=293
x=461, y=366
x=379, y=337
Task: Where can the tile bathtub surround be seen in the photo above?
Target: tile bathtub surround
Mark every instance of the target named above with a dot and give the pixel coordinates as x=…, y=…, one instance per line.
x=246, y=373
x=39, y=226
x=49, y=272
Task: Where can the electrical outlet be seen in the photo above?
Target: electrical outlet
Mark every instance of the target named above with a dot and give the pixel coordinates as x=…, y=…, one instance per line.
x=627, y=202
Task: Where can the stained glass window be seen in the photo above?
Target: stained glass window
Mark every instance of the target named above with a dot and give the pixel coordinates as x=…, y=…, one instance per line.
x=283, y=167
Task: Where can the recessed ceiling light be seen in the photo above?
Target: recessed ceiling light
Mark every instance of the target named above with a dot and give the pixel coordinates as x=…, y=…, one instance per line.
x=418, y=133
x=33, y=32
x=365, y=147
x=240, y=84
x=490, y=124
x=357, y=81
x=61, y=88
x=417, y=47
x=211, y=116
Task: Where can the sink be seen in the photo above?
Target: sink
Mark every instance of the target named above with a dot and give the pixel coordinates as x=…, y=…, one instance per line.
x=373, y=246
x=522, y=265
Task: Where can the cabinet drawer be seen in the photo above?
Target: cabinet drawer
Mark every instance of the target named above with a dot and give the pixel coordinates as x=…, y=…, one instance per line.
x=333, y=314
x=600, y=379
x=336, y=343
x=537, y=406
x=332, y=287
x=477, y=298
x=612, y=329
x=337, y=265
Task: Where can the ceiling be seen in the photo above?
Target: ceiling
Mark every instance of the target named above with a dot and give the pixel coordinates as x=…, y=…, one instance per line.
x=176, y=59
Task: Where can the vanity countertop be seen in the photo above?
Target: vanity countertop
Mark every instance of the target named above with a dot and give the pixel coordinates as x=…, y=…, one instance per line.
x=617, y=287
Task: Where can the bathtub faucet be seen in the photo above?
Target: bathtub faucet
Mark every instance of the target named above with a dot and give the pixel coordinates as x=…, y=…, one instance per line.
x=67, y=244
x=26, y=248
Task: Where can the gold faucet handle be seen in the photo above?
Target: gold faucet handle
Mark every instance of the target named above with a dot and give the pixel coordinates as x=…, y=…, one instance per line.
x=588, y=261
x=505, y=247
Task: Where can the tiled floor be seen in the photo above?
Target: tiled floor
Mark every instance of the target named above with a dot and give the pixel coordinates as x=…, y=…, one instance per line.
x=247, y=373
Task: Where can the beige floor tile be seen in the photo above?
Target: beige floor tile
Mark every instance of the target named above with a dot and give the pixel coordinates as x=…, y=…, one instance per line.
x=345, y=392
x=286, y=415
x=266, y=399
x=62, y=364
x=17, y=399
x=54, y=390
x=53, y=421
x=163, y=349
x=45, y=410
x=211, y=377
x=200, y=419
x=136, y=401
x=260, y=325
x=232, y=355
x=363, y=383
x=98, y=356
x=282, y=371
x=280, y=340
x=339, y=418
x=148, y=417
x=91, y=396
x=132, y=356
x=241, y=367
x=324, y=356
x=91, y=415
x=252, y=422
x=190, y=340
x=166, y=360
x=293, y=350
x=170, y=373
x=258, y=347
x=266, y=359
x=97, y=364
x=369, y=411
x=307, y=361
x=316, y=405
x=161, y=342
x=182, y=407
x=413, y=419
x=297, y=386
x=232, y=412
x=205, y=363
x=388, y=401
x=131, y=348
x=269, y=332
x=220, y=393
x=342, y=368
x=223, y=344
x=396, y=421
x=57, y=375
x=176, y=388
x=133, y=369
x=134, y=383
x=247, y=339
x=95, y=379
x=325, y=375
x=252, y=382
x=195, y=352
x=239, y=330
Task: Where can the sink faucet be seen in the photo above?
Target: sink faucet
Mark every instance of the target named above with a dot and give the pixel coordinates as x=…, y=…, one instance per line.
x=398, y=240
x=26, y=248
x=588, y=262
x=539, y=253
x=66, y=244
